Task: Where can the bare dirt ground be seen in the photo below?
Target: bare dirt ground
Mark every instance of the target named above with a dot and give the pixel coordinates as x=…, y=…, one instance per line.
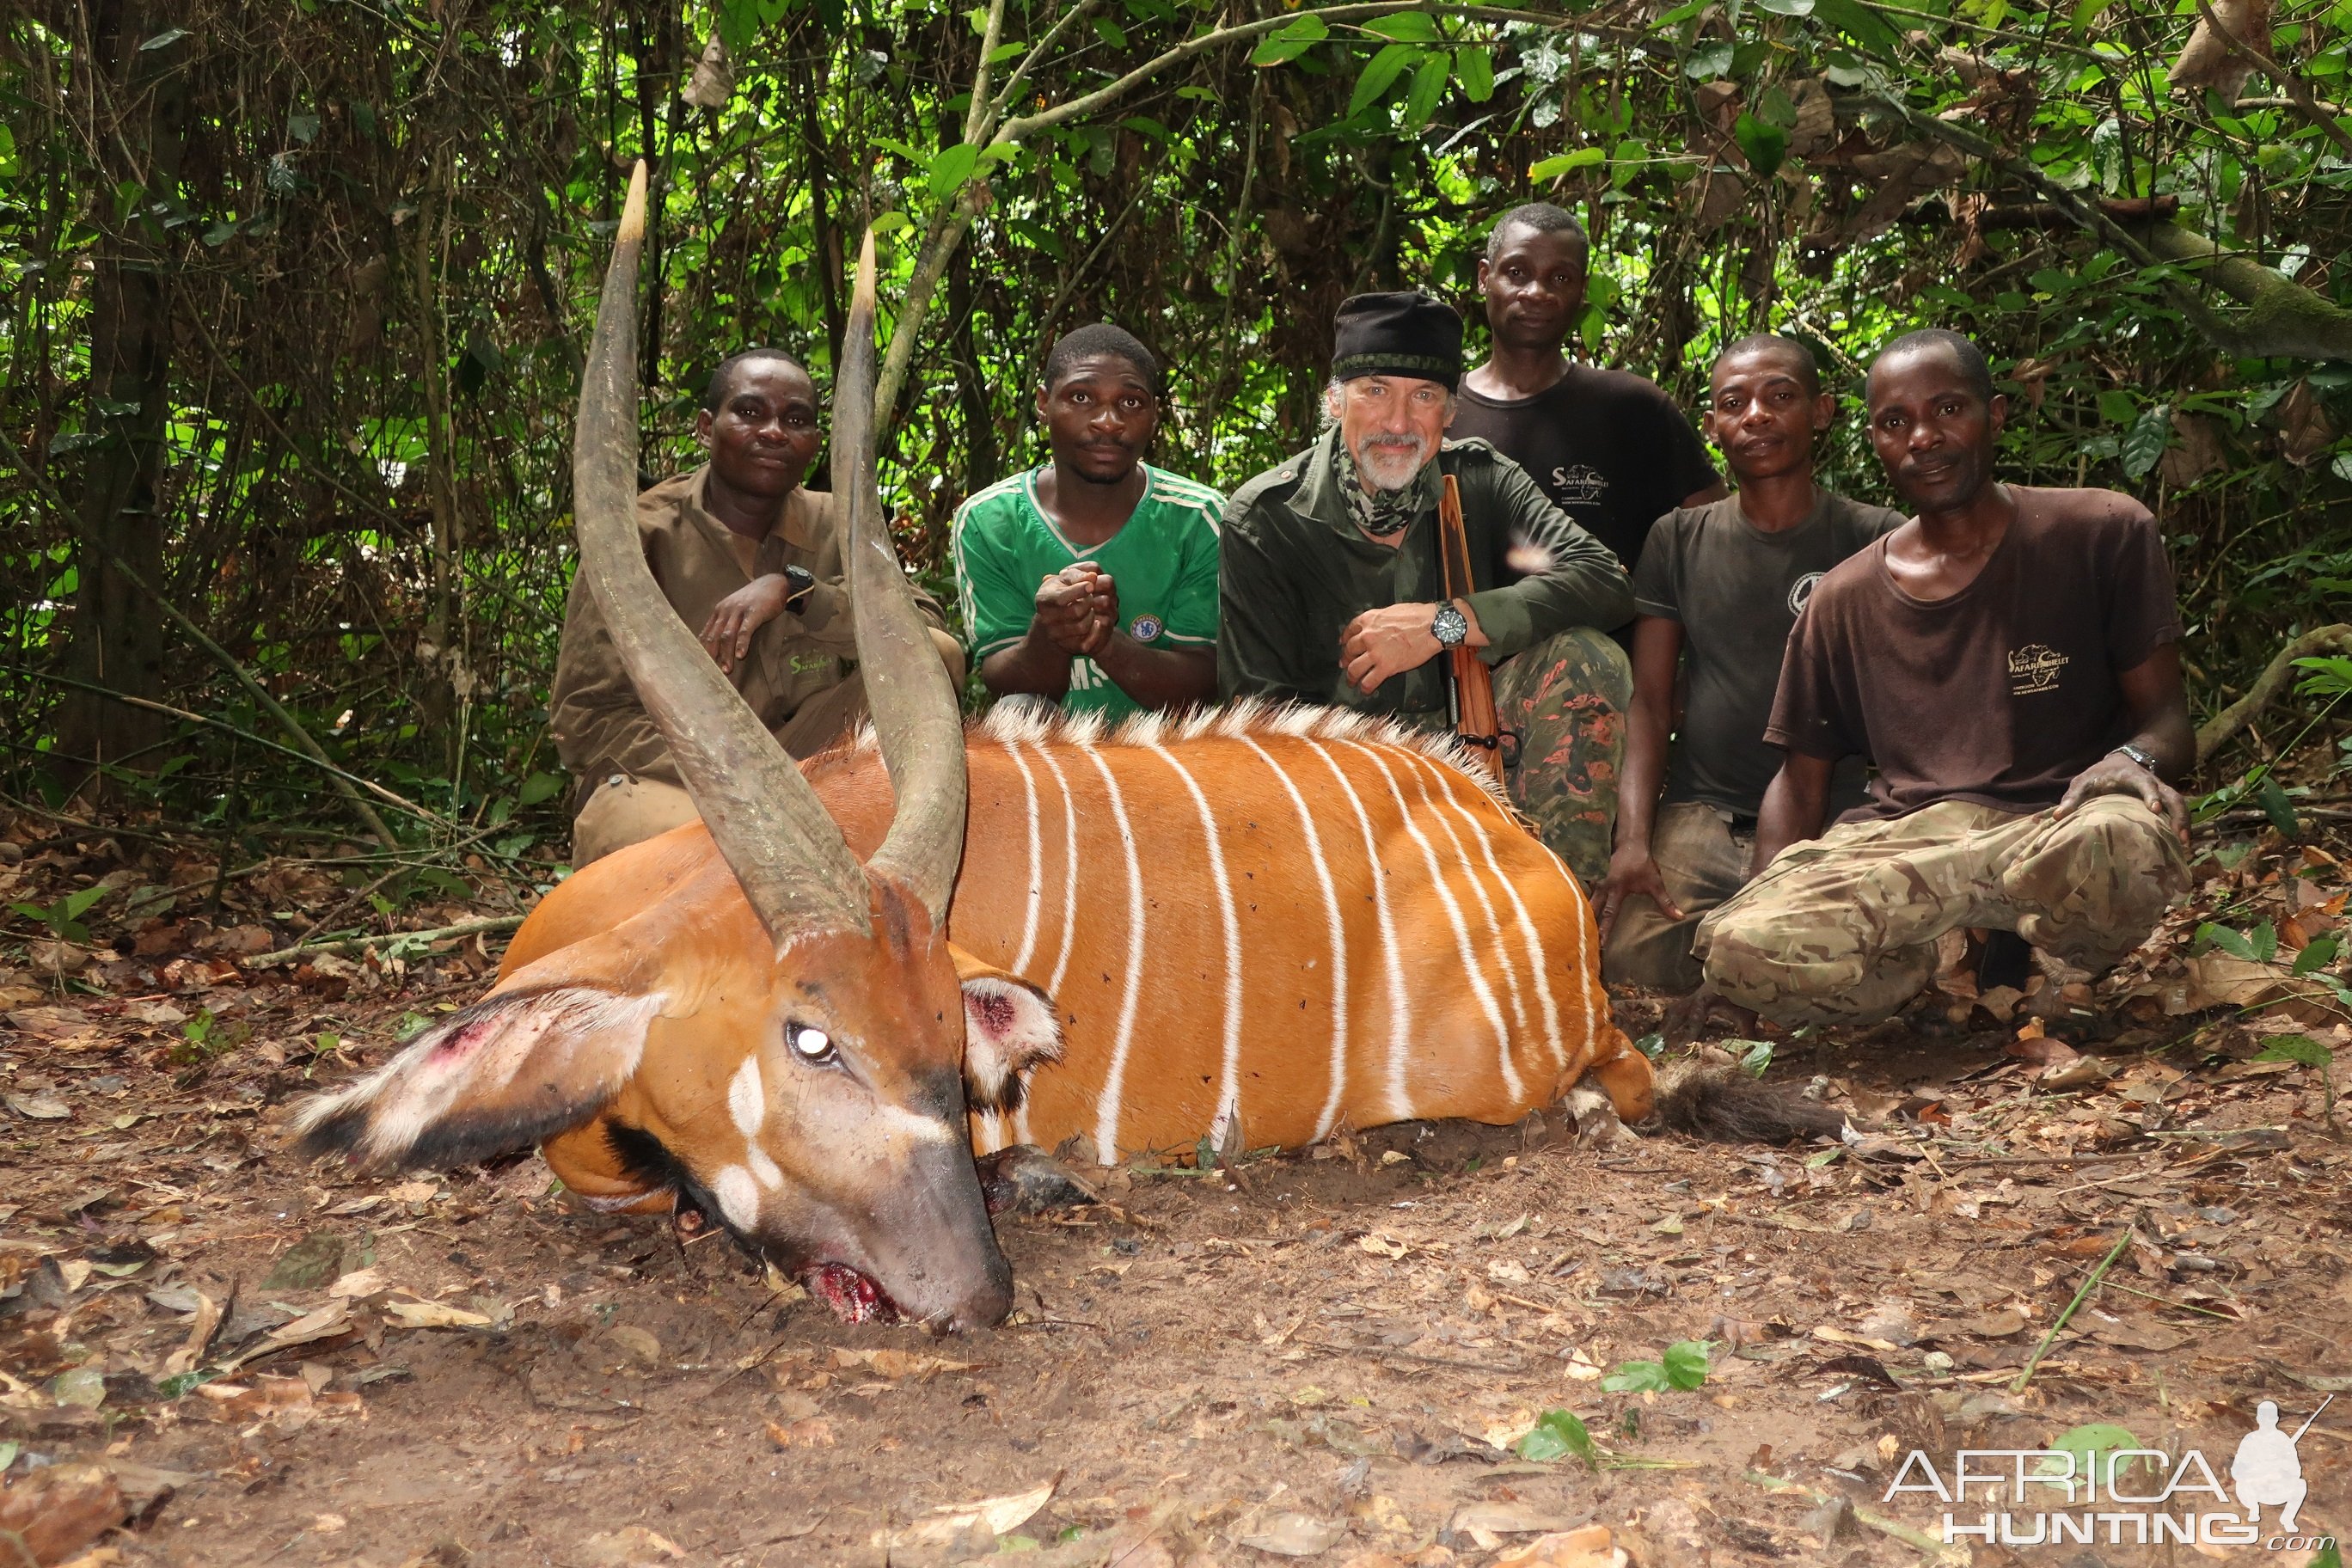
x=241, y=1359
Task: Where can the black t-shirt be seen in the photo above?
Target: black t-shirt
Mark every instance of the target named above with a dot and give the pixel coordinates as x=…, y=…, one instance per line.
x=1737, y=590
x=1610, y=448
x=2001, y=693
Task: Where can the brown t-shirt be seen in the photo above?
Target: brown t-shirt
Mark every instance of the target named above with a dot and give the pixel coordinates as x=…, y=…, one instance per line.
x=2000, y=694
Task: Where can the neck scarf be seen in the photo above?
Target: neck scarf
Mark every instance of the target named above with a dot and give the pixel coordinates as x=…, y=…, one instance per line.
x=1382, y=514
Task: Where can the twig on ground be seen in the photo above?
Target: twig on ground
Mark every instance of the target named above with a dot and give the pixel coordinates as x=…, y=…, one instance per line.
x=352, y=943
x=2017, y=1384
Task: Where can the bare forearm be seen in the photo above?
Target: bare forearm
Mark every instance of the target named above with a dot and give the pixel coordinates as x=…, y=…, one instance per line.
x=1160, y=677
x=1794, y=805
x=1657, y=650
x=1035, y=664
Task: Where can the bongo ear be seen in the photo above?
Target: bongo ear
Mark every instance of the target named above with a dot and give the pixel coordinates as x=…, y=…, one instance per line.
x=523, y=1064
x=1009, y=1031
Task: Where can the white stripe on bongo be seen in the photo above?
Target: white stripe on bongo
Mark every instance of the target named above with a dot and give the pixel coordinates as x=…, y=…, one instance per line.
x=1479, y=986
x=992, y=1131
x=1400, y=1108
x=1114, y=1081
x=1021, y=1133
x=1339, y=935
x=1037, y=864
x=1447, y=779
x=1229, y=1081
x=1410, y=761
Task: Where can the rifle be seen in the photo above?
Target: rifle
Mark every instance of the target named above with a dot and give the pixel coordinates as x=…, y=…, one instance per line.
x=1470, y=691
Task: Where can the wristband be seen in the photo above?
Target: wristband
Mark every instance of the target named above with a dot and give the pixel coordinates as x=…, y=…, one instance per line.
x=2137, y=755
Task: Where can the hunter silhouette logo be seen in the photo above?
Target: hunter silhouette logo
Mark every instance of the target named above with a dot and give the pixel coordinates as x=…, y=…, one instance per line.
x=2267, y=1471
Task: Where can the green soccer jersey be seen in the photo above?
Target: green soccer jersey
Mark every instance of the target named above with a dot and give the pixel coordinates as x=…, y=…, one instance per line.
x=1164, y=563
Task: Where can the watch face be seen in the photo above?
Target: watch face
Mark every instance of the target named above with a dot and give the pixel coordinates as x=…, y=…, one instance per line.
x=1449, y=625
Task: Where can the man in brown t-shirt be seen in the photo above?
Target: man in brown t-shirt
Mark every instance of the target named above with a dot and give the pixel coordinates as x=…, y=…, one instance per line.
x=2009, y=660
x=752, y=559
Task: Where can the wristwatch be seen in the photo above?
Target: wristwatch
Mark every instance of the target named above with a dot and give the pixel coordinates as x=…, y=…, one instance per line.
x=1449, y=625
x=2136, y=755
x=799, y=584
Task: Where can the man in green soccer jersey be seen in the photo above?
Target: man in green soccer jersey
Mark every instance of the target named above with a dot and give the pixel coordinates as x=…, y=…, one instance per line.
x=1091, y=581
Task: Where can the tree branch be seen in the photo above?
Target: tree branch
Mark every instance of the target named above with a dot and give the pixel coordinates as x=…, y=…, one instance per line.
x=2223, y=727
x=2298, y=92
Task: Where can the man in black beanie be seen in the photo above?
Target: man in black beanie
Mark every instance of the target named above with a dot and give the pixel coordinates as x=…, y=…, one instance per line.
x=1329, y=584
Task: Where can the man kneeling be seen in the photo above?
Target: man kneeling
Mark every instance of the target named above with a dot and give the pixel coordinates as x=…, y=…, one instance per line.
x=2009, y=660
x=752, y=560
x=1331, y=588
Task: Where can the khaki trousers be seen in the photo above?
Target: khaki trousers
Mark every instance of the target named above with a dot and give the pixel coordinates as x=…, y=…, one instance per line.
x=1841, y=929
x=1703, y=862
x=624, y=811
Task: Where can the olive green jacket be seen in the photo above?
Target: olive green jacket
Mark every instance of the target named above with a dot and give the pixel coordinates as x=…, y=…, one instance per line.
x=1295, y=571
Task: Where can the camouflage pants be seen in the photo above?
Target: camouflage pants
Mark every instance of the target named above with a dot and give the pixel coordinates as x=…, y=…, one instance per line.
x=1703, y=861
x=1566, y=700
x=1843, y=928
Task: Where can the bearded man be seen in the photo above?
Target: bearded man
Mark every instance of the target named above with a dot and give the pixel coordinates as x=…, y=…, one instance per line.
x=1330, y=586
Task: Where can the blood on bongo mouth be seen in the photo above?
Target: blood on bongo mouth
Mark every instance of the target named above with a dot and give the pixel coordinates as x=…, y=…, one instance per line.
x=855, y=1297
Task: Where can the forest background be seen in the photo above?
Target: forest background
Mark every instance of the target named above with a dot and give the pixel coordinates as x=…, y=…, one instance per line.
x=296, y=295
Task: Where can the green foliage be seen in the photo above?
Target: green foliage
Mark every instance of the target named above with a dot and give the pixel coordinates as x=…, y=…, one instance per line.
x=1683, y=1367
x=2257, y=946
x=2093, y=1447
x=1557, y=1435
x=62, y=915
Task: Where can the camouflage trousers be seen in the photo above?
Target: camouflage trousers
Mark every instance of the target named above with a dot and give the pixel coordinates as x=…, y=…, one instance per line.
x=1566, y=700
x=1703, y=860
x=1841, y=929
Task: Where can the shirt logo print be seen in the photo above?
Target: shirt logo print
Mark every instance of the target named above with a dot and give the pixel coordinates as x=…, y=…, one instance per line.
x=1145, y=628
x=1801, y=592
x=2035, y=667
x=1579, y=484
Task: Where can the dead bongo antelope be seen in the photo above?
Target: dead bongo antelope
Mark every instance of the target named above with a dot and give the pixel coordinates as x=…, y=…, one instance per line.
x=1276, y=921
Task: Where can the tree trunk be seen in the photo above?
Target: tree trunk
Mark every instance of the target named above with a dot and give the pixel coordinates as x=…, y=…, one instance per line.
x=138, y=109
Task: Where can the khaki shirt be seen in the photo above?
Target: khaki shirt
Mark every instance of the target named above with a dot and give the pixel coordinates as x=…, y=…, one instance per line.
x=600, y=727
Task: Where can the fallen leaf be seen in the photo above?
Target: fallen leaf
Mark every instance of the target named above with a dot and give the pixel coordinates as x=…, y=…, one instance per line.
x=413, y=1193
x=358, y=1283
x=308, y=1264
x=39, y=1107
x=633, y=1547
x=896, y=1364
x=945, y=1524
x=2137, y=1335
x=59, y=1508
x=809, y=1432
x=1487, y=1522
x=640, y=1345
x=1289, y=1534
x=433, y=1315
x=1996, y=1325
x=1590, y=1547
x=1380, y=1243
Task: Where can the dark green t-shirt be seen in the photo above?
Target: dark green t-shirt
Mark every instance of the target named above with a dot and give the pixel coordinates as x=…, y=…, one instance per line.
x=1737, y=590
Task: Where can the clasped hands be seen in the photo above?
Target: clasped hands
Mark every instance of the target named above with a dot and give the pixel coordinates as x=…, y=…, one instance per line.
x=1077, y=609
x=1380, y=644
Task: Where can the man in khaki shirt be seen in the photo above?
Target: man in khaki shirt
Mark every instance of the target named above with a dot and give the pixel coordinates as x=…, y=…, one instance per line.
x=747, y=555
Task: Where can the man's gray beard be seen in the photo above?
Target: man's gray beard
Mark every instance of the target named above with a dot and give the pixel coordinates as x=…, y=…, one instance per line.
x=1373, y=468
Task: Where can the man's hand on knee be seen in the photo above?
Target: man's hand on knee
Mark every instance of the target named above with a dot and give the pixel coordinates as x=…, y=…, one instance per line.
x=2116, y=774
x=1633, y=873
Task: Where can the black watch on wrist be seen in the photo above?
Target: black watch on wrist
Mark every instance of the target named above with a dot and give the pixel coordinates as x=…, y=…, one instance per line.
x=1449, y=625
x=799, y=584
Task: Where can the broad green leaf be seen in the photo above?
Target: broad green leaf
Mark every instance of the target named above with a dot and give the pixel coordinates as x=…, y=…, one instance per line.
x=1788, y=8
x=1110, y=32
x=2300, y=1049
x=1859, y=23
x=2228, y=941
x=1566, y=164
x=540, y=787
x=1475, y=67
x=2317, y=954
x=2264, y=942
x=2093, y=1446
x=2144, y=442
x=1687, y=1362
x=1380, y=74
x=2279, y=809
x=1428, y=80
x=1291, y=42
x=2327, y=677
x=1708, y=61
x=1406, y=27
x=1765, y=144
x=1754, y=1058
x=1638, y=1377
x=1557, y=1435
x=891, y=223
x=78, y=903
x=951, y=168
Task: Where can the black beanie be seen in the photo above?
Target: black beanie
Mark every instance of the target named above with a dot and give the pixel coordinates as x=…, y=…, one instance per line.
x=1397, y=334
